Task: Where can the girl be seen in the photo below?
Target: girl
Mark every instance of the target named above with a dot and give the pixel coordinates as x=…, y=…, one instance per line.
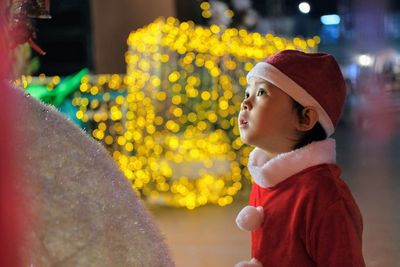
x=300, y=213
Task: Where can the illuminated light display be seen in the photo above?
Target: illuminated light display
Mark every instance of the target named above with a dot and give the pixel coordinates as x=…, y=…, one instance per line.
x=170, y=122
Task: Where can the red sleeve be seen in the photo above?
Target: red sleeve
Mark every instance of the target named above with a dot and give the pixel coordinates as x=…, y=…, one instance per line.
x=336, y=239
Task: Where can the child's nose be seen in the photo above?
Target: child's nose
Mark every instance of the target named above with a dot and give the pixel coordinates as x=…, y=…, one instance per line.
x=246, y=104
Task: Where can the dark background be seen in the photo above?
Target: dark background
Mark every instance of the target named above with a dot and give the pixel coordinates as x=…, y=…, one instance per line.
x=93, y=33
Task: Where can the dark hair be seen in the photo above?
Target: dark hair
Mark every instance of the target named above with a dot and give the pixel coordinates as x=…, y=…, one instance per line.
x=317, y=133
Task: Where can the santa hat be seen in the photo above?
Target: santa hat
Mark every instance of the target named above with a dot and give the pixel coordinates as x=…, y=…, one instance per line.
x=311, y=79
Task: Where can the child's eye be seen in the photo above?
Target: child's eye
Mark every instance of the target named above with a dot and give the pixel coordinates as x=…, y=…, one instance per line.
x=246, y=95
x=260, y=92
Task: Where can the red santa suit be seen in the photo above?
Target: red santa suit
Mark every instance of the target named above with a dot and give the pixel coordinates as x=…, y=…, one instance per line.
x=301, y=212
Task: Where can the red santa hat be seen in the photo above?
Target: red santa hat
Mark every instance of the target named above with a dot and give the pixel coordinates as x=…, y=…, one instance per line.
x=312, y=79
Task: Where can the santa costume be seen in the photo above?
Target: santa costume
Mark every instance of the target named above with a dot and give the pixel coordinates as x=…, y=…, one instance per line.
x=301, y=213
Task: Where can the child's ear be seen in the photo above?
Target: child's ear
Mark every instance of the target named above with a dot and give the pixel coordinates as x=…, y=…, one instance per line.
x=307, y=120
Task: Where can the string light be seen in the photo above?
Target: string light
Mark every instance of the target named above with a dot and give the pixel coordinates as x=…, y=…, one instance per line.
x=170, y=122
x=194, y=154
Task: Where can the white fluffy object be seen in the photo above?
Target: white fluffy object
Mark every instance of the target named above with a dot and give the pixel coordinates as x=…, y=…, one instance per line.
x=250, y=218
x=252, y=263
x=85, y=211
x=267, y=173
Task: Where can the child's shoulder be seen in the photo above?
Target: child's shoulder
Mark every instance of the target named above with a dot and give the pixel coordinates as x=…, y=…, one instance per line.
x=323, y=181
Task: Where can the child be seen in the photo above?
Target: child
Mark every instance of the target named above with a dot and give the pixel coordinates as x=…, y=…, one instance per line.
x=301, y=212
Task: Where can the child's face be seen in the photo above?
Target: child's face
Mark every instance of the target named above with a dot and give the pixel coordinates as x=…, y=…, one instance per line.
x=267, y=118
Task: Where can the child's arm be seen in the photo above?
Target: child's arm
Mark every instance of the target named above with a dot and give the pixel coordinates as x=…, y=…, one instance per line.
x=336, y=239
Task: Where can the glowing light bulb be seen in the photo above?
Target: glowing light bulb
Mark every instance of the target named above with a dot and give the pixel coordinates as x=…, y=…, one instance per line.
x=330, y=19
x=365, y=60
x=304, y=7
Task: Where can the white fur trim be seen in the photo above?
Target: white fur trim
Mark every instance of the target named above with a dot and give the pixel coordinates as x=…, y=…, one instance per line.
x=267, y=173
x=250, y=218
x=252, y=263
x=273, y=75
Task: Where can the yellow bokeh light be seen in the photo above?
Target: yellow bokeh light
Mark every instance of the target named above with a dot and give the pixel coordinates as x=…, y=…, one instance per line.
x=84, y=87
x=174, y=76
x=205, y=95
x=94, y=90
x=79, y=114
x=119, y=100
x=109, y=140
x=129, y=147
x=223, y=105
x=229, y=13
x=161, y=96
x=176, y=99
x=215, y=28
x=121, y=141
x=205, y=5
x=206, y=14
x=177, y=112
x=164, y=58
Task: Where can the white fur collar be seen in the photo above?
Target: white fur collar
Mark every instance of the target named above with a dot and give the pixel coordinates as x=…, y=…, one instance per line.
x=267, y=173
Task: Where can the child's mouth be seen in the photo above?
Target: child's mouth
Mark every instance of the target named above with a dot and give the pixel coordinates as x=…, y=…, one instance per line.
x=243, y=123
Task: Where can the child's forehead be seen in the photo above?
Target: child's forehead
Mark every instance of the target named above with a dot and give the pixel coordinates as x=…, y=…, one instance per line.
x=256, y=81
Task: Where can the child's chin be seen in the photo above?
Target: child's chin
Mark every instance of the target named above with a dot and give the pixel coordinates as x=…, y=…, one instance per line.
x=245, y=140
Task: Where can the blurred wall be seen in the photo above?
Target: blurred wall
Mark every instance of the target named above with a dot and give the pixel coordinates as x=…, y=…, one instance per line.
x=112, y=21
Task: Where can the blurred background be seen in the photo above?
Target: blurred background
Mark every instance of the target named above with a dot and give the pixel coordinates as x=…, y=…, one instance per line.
x=93, y=33
x=124, y=47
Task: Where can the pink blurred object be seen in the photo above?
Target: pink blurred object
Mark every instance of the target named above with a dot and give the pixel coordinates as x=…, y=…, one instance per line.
x=11, y=203
x=375, y=112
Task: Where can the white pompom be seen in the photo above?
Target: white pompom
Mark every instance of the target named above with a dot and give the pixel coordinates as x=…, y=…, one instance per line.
x=252, y=263
x=250, y=218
